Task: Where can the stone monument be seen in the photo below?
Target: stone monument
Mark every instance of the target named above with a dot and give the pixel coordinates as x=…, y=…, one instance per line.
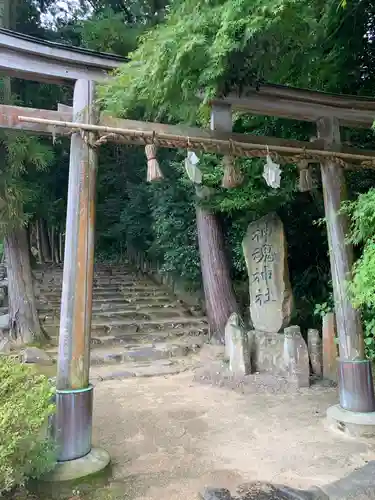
x=267, y=352
x=237, y=348
x=271, y=299
x=296, y=357
x=271, y=304
x=314, y=345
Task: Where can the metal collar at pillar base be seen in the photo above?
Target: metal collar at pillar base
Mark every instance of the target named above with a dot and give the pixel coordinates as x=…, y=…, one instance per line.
x=356, y=386
x=72, y=423
x=92, y=463
x=352, y=424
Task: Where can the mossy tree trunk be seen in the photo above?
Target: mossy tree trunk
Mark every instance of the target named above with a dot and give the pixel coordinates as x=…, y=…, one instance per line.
x=217, y=284
x=23, y=316
x=44, y=240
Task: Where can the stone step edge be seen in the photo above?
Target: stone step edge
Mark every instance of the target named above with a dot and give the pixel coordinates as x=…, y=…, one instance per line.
x=177, y=315
x=105, y=286
x=118, y=300
x=146, y=337
x=139, y=354
x=117, y=307
x=124, y=371
x=116, y=296
x=163, y=346
x=193, y=320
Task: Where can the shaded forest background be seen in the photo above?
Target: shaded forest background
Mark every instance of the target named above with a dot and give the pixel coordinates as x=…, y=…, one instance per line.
x=327, y=46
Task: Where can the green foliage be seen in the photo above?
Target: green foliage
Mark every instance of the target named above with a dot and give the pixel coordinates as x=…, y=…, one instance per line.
x=324, y=308
x=253, y=196
x=21, y=152
x=362, y=232
x=362, y=286
x=174, y=226
x=25, y=405
x=368, y=316
x=206, y=46
x=107, y=32
x=362, y=216
x=123, y=207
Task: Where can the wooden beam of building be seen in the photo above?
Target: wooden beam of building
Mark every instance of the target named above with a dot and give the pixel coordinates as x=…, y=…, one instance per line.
x=303, y=105
x=27, y=57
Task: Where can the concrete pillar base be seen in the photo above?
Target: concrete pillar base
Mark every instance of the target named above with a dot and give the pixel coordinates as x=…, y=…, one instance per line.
x=92, y=463
x=352, y=424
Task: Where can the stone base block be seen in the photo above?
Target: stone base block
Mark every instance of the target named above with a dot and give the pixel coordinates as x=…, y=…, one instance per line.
x=352, y=424
x=283, y=355
x=92, y=463
x=267, y=352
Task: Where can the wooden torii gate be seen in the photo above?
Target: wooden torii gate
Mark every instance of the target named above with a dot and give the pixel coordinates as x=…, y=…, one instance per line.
x=28, y=58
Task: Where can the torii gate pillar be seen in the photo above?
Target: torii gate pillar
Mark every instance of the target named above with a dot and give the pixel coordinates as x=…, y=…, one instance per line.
x=355, y=378
x=74, y=395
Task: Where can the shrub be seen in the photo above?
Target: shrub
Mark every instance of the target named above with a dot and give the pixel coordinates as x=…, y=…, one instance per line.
x=25, y=405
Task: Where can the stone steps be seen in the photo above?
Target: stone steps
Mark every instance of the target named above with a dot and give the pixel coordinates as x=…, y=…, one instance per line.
x=97, y=275
x=101, y=281
x=121, y=287
x=162, y=367
x=101, y=355
x=119, y=305
x=121, y=339
x=128, y=325
x=134, y=314
x=115, y=295
x=133, y=300
x=135, y=322
x=125, y=326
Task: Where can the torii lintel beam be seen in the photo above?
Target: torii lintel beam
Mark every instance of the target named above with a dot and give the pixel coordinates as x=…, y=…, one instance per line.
x=137, y=131
x=26, y=57
x=304, y=105
x=9, y=119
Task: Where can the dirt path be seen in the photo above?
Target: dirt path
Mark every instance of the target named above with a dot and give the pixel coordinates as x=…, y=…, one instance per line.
x=169, y=437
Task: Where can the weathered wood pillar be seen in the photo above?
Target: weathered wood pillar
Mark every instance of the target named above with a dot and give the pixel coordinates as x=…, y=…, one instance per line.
x=76, y=302
x=221, y=117
x=356, y=388
x=349, y=329
x=74, y=395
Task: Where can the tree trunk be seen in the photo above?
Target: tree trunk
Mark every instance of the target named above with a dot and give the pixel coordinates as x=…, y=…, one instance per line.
x=29, y=231
x=55, y=237
x=39, y=243
x=44, y=240
x=219, y=295
x=23, y=316
x=52, y=239
x=61, y=246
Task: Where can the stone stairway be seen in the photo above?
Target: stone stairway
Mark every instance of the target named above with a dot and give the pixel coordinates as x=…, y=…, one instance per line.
x=135, y=323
